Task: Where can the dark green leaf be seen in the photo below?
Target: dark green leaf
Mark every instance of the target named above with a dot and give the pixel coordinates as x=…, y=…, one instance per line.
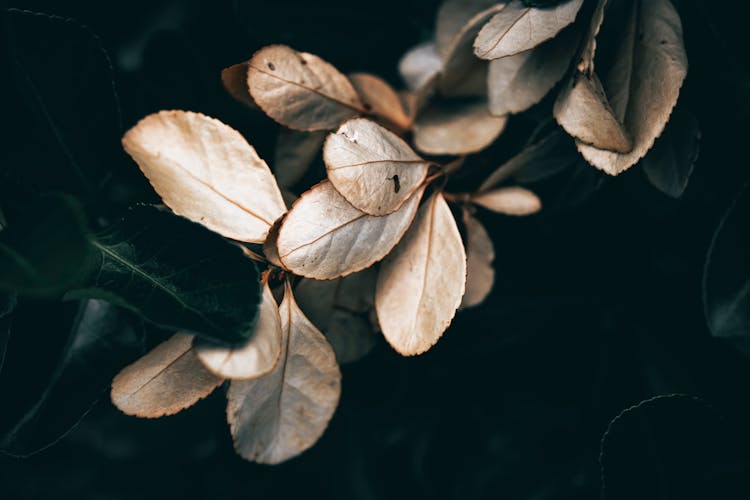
x=58, y=89
x=726, y=275
x=666, y=448
x=41, y=406
x=45, y=249
x=670, y=162
x=175, y=274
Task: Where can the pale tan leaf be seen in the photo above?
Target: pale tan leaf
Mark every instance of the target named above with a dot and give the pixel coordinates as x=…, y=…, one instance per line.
x=295, y=152
x=300, y=90
x=420, y=65
x=234, y=79
x=373, y=168
x=270, y=246
x=516, y=83
x=480, y=253
x=644, y=84
x=278, y=416
x=452, y=16
x=457, y=129
x=257, y=356
x=583, y=111
x=340, y=308
x=381, y=100
x=165, y=381
x=518, y=28
x=421, y=282
x=207, y=172
x=325, y=237
x=509, y=201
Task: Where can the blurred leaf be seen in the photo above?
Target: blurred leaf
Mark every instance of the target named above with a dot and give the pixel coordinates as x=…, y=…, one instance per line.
x=99, y=341
x=66, y=118
x=726, y=276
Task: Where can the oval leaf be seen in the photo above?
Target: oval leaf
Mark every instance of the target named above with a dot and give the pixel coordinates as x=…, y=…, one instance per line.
x=257, y=356
x=278, y=416
x=517, y=28
x=373, y=168
x=301, y=90
x=509, y=201
x=325, y=237
x=644, y=83
x=480, y=253
x=420, y=65
x=165, y=381
x=421, y=282
x=456, y=129
x=381, y=100
x=207, y=172
x=234, y=79
x=452, y=16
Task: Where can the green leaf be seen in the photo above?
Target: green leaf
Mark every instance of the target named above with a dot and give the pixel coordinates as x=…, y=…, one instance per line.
x=58, y=88
x=726, y=275
x=670, y=162
x=175, y=274
x=47, y=389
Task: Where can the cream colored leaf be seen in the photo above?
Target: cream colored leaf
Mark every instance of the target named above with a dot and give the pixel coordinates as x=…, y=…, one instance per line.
x=165, y=381
x=453, y=15
x=325, y=237
x=381, y=100
x=420, y=65
x=373, y=168
x=583, y=111
x=480, y=253
x=257, y=356
x=645, y=81
x=295, y=152
x=518, y=28
x=300, y=90
x=516, y=83
x=512, y=200
x=270, y=246
x=207, y=172
x=421, y=282
x=278, y=416
x=340, y=308
x=456, y=129
x=234, y=79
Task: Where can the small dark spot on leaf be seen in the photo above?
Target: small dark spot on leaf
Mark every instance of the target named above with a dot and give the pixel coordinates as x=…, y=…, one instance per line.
x=271, y=66
x=303, y=62
x=396, y=183
x=367, y=107
x=663, y=42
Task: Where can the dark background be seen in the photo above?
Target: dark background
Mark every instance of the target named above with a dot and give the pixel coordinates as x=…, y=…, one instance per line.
x=597, y=303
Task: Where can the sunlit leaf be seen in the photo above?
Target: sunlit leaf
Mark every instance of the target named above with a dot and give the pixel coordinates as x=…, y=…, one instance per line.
x=456, y=128
x=165, y=381
x=420, y=283
x=480, y=253
x=207, y=172
x=517, y=28
x=512, y=200
x=257, y=356
x=374, y=169
x=301, y=90
x=325, y=237
x=278, y=416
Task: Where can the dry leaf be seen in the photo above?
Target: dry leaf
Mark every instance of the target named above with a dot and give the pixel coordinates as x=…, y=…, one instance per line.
x=168, y=379
x=207, y=172
x=295, y=152
x=373, y=168
x=340, y=309
x=325, y=237
x=456, y=129
x=518, y=28
x=516, y=83
x=420, y=65
x=234, y=79
x=480, y=253
x=421, y=282
x=452, y=16
x=300, y=90
x=257, y=356
x=278, y=416
x=509, y=201
x=381, y=100
x=644, y=83
x=270, y=246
